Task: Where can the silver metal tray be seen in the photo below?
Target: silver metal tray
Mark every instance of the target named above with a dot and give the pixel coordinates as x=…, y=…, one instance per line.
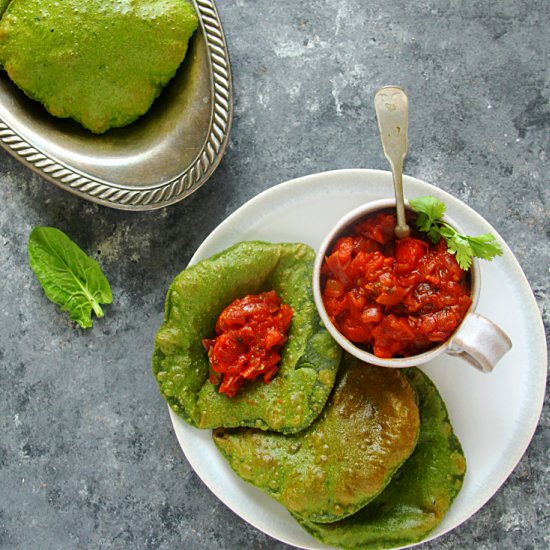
x=158, y=160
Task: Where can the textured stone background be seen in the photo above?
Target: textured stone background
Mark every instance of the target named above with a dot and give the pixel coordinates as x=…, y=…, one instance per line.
x=88, y=458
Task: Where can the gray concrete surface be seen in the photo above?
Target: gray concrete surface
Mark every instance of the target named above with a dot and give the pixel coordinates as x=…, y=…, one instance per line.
x=88, y=458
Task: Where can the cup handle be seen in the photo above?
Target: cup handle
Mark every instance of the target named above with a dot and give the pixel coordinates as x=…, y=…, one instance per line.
x=480, y=342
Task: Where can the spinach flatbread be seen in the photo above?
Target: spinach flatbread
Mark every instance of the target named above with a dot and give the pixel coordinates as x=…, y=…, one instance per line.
x=100, y=62
x=345, y=458
x=4, y=6
x=195, y=299
x=418, y=496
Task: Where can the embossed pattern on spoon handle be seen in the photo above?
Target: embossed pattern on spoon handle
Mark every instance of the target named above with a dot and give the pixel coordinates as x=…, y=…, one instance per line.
x=392, y=112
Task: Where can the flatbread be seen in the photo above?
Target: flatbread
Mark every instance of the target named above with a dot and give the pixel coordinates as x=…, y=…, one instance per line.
x=309, y=360
x=100, y=62
x=418, y=496
x=345, y=458
x=3, y=6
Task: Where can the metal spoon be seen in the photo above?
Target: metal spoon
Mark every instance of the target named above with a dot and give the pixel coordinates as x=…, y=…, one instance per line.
x=392, y=108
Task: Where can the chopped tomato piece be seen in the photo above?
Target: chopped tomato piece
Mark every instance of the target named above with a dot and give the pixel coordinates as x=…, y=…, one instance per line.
x=356, y=332
x=334, y=288
x=372, y=314
x=408, y=252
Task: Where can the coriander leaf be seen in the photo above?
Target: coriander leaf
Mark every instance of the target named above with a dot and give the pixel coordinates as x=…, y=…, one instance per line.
x=432, y=207
x=447, y=232
x=429, y=220
x=457, y=244
x=423, y=222
x=434, y=234
x=484, y=246
x=69, y=277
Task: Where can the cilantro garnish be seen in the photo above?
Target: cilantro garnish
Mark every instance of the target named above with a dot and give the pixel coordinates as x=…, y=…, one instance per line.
x=429, y=220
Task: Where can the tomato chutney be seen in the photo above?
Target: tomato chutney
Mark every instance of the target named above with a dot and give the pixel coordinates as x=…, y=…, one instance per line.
x=393, y=297
x=250, y=333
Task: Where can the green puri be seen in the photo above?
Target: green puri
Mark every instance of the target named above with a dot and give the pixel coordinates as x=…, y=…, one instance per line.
x=419, y=495
x=4, y=6
x=368, y=428
x=196, y=297
x=99, y=62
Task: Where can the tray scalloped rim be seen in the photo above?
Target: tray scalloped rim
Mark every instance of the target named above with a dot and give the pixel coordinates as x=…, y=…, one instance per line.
x=126, y=197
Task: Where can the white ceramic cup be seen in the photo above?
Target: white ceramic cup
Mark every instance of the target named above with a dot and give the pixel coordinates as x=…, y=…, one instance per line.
x=477, y=340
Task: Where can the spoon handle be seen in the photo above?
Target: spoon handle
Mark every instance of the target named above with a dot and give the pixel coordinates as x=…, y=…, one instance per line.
x=392, y=110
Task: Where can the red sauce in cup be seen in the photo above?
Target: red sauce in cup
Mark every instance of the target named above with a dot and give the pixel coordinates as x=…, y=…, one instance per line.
x=393, y=297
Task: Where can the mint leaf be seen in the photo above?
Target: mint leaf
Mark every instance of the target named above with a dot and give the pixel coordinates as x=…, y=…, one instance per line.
x=69, y=277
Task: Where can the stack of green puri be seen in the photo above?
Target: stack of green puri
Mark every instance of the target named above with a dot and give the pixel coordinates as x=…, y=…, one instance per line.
x=99, y=62
x=195, y=299
x=368, y=473
x=361, y=456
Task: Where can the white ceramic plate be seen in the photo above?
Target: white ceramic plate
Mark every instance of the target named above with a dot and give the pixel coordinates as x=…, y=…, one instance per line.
x=494, y=415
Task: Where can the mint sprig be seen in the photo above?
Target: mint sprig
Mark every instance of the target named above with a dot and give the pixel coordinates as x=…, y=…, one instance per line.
x=69, y=277
x=429, y=220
